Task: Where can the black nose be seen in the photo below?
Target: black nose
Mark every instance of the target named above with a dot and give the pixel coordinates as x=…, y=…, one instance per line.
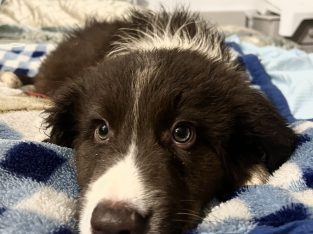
x=116, y=218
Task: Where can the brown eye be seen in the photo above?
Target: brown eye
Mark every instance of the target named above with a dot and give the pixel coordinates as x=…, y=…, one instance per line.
x=183, y=134
x=102, y=132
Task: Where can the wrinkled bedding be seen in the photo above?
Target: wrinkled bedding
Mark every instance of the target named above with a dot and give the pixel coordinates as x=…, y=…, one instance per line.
x=45, y=20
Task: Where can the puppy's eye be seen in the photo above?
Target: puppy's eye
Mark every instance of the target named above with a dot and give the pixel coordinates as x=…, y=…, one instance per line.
x=102, y=132
x=183, y=134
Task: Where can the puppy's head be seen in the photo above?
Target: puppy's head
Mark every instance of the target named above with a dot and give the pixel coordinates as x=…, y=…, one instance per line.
x=157, y=134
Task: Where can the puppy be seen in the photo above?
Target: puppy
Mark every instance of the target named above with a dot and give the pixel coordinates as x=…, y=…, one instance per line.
x=161, y=118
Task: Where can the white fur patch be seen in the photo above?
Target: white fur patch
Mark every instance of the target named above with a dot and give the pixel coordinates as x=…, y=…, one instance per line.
x=142, y=78
x=121, y=183
x=259, y=175
x=162, y=37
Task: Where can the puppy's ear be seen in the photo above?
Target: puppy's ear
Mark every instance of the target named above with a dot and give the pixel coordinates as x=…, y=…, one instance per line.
x=61, y=117
x=260, y=135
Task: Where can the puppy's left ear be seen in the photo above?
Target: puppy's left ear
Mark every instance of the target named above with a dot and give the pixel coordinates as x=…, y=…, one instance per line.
x=62, y=116
x=260, y=135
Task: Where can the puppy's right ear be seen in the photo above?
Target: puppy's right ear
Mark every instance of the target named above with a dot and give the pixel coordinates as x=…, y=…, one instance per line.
x=62, y=117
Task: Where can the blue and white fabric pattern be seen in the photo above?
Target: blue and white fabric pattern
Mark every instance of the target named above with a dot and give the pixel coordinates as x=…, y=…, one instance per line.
x=38, y=189
x=23, y=59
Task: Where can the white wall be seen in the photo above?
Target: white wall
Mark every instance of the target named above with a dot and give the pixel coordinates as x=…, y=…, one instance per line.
x=223, y=12
x=205, y=5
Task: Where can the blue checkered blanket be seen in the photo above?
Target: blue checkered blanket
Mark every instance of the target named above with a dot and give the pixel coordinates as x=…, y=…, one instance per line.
x=23, y=59
x=38, y=190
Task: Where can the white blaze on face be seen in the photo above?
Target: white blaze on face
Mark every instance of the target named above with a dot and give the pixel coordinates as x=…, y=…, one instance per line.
x=120, y=183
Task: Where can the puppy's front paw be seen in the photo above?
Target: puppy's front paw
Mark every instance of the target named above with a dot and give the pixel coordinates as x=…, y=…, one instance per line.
x=10, y=80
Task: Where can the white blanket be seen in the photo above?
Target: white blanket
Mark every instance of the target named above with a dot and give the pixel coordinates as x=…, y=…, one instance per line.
x=59, y=13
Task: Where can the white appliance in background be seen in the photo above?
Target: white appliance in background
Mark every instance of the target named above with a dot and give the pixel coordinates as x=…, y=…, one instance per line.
x=223, y=12
x=289, y=18
x=291, y=13
x=292, y=19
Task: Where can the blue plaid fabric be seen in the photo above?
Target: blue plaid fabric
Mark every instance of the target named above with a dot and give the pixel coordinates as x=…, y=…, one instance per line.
x=38, y=189
x=23, y=59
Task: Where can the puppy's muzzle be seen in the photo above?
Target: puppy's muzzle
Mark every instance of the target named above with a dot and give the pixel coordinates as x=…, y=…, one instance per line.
x=117, y=218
